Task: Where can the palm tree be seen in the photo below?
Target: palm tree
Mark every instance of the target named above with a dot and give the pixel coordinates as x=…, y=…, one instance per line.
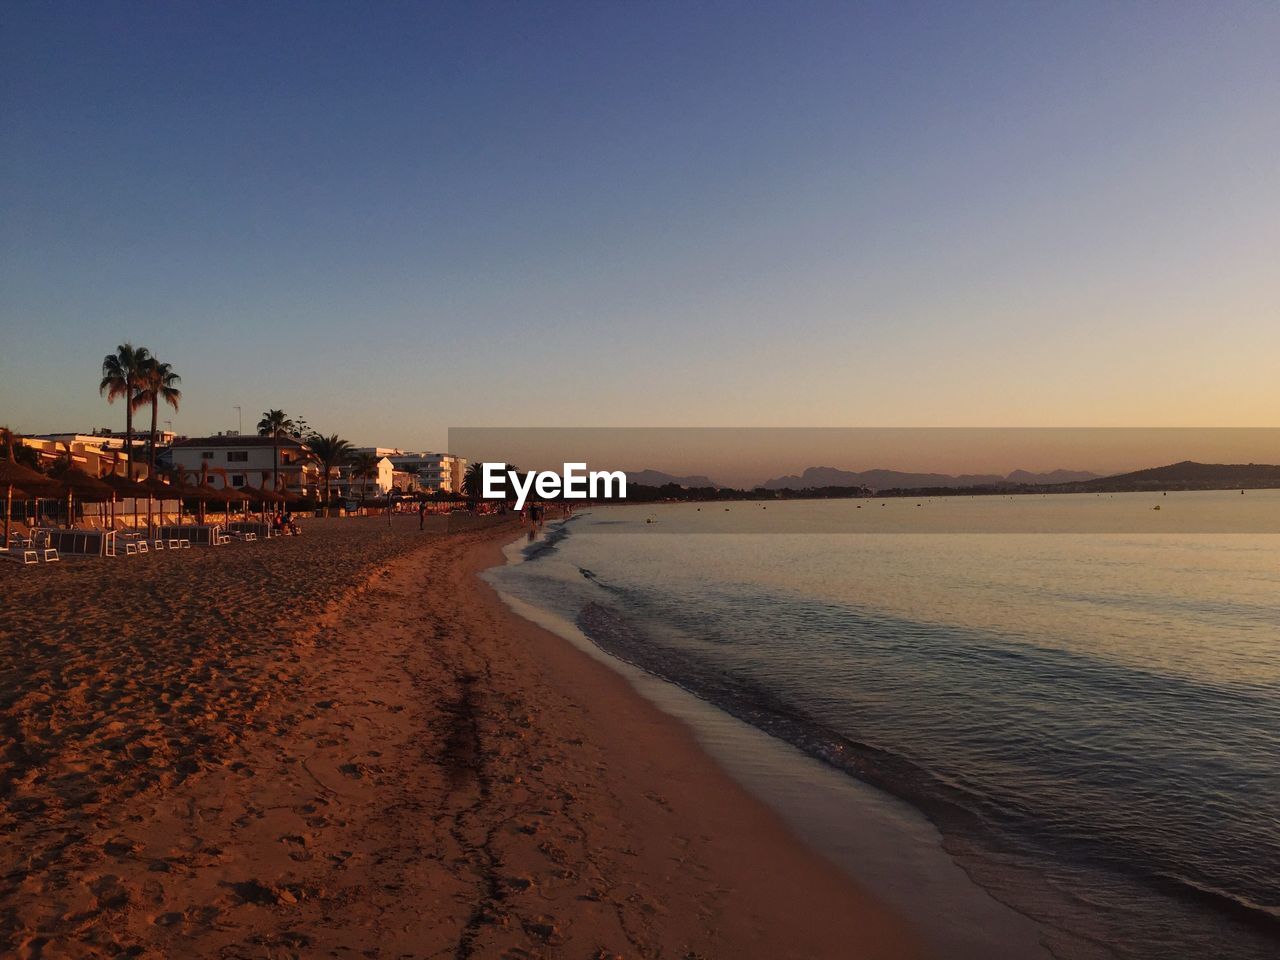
x=364, y=467
x=473, y=481
x=122, y=376
x=275, y=424
x=332, y=452
x=414, y=480
x=12, y=448
x=159, y=383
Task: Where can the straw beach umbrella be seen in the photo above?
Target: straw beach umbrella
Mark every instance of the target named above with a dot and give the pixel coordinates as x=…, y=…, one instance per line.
x=263, y=497
x=10, y=491
x=211, y=494
x=133, y=489
x=18, y=478
x=180, y=490
x=33, y=484
x=154, y=487
x=159, y=490
x=230, y=494
x=76, y=483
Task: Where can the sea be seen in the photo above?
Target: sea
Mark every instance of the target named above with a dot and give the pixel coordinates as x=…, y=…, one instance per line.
x=1039, y=726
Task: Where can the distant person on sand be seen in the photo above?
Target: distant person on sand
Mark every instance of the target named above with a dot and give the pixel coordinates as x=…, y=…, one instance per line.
x=422, y=514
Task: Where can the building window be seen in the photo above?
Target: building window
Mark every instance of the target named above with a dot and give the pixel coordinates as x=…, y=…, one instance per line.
x=237, y=479
x=237, y=456
x=206, y=455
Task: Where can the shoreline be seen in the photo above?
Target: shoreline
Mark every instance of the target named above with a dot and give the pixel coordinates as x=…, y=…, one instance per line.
x=412, y=769
x=881, y=841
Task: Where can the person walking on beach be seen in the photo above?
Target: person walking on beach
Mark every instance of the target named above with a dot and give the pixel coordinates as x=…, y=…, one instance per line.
x=422, y=514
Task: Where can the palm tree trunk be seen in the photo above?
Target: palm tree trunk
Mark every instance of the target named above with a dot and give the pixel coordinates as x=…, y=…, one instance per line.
x=128, y=432
x=151, y=457
x=275, y=461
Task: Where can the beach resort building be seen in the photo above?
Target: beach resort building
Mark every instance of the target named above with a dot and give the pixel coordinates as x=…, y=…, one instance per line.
x=435, y=472
x=350, y=486
x=429, y=472
x=247, y=460
x=95, y=453
x=108, y=439
x=406, y=481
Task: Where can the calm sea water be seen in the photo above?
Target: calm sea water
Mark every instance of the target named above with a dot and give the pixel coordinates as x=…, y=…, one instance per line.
x=1091, y=720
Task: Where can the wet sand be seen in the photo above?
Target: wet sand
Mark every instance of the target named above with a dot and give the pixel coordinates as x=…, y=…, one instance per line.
x=344, y=745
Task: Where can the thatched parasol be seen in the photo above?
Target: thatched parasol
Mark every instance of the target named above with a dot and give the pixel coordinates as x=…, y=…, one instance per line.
x=180, y=490
x=11, y=475
x=15, y=473
x=288, y=496
x=88, y=489
x=207, y=493
x=133, y=489
x=125, y=487
x=262, y=496
x=236, y=495
x=159, y=490
x=74, y=482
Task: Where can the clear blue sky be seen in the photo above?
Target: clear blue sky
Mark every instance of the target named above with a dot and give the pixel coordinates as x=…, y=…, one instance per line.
x=393, y=218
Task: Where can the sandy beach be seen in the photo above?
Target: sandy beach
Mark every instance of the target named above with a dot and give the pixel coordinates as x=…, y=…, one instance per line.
x=344, y=744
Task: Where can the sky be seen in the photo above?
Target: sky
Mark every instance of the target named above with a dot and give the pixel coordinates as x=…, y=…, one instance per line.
x=396, y=218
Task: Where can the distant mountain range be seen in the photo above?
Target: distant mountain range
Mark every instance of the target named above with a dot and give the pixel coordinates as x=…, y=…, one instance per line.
x=816, y=477
x=656, y=478
x=1186, y=475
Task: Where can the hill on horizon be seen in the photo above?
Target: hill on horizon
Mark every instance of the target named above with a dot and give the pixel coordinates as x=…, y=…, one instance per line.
x=880, y=479
x=656, y=478
x=1190, y=475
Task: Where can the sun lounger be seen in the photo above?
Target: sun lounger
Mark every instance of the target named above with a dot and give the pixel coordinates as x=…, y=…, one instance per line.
x=130, y=549
x=21, y=555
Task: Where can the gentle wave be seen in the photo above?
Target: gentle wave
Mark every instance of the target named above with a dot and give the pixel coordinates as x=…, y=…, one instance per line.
x=1115, y=791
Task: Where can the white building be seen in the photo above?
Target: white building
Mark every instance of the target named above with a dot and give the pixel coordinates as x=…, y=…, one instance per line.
x=247, y=460
x=351, y=486
x=436, y=472
x=108, y=439
x=99, y=452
